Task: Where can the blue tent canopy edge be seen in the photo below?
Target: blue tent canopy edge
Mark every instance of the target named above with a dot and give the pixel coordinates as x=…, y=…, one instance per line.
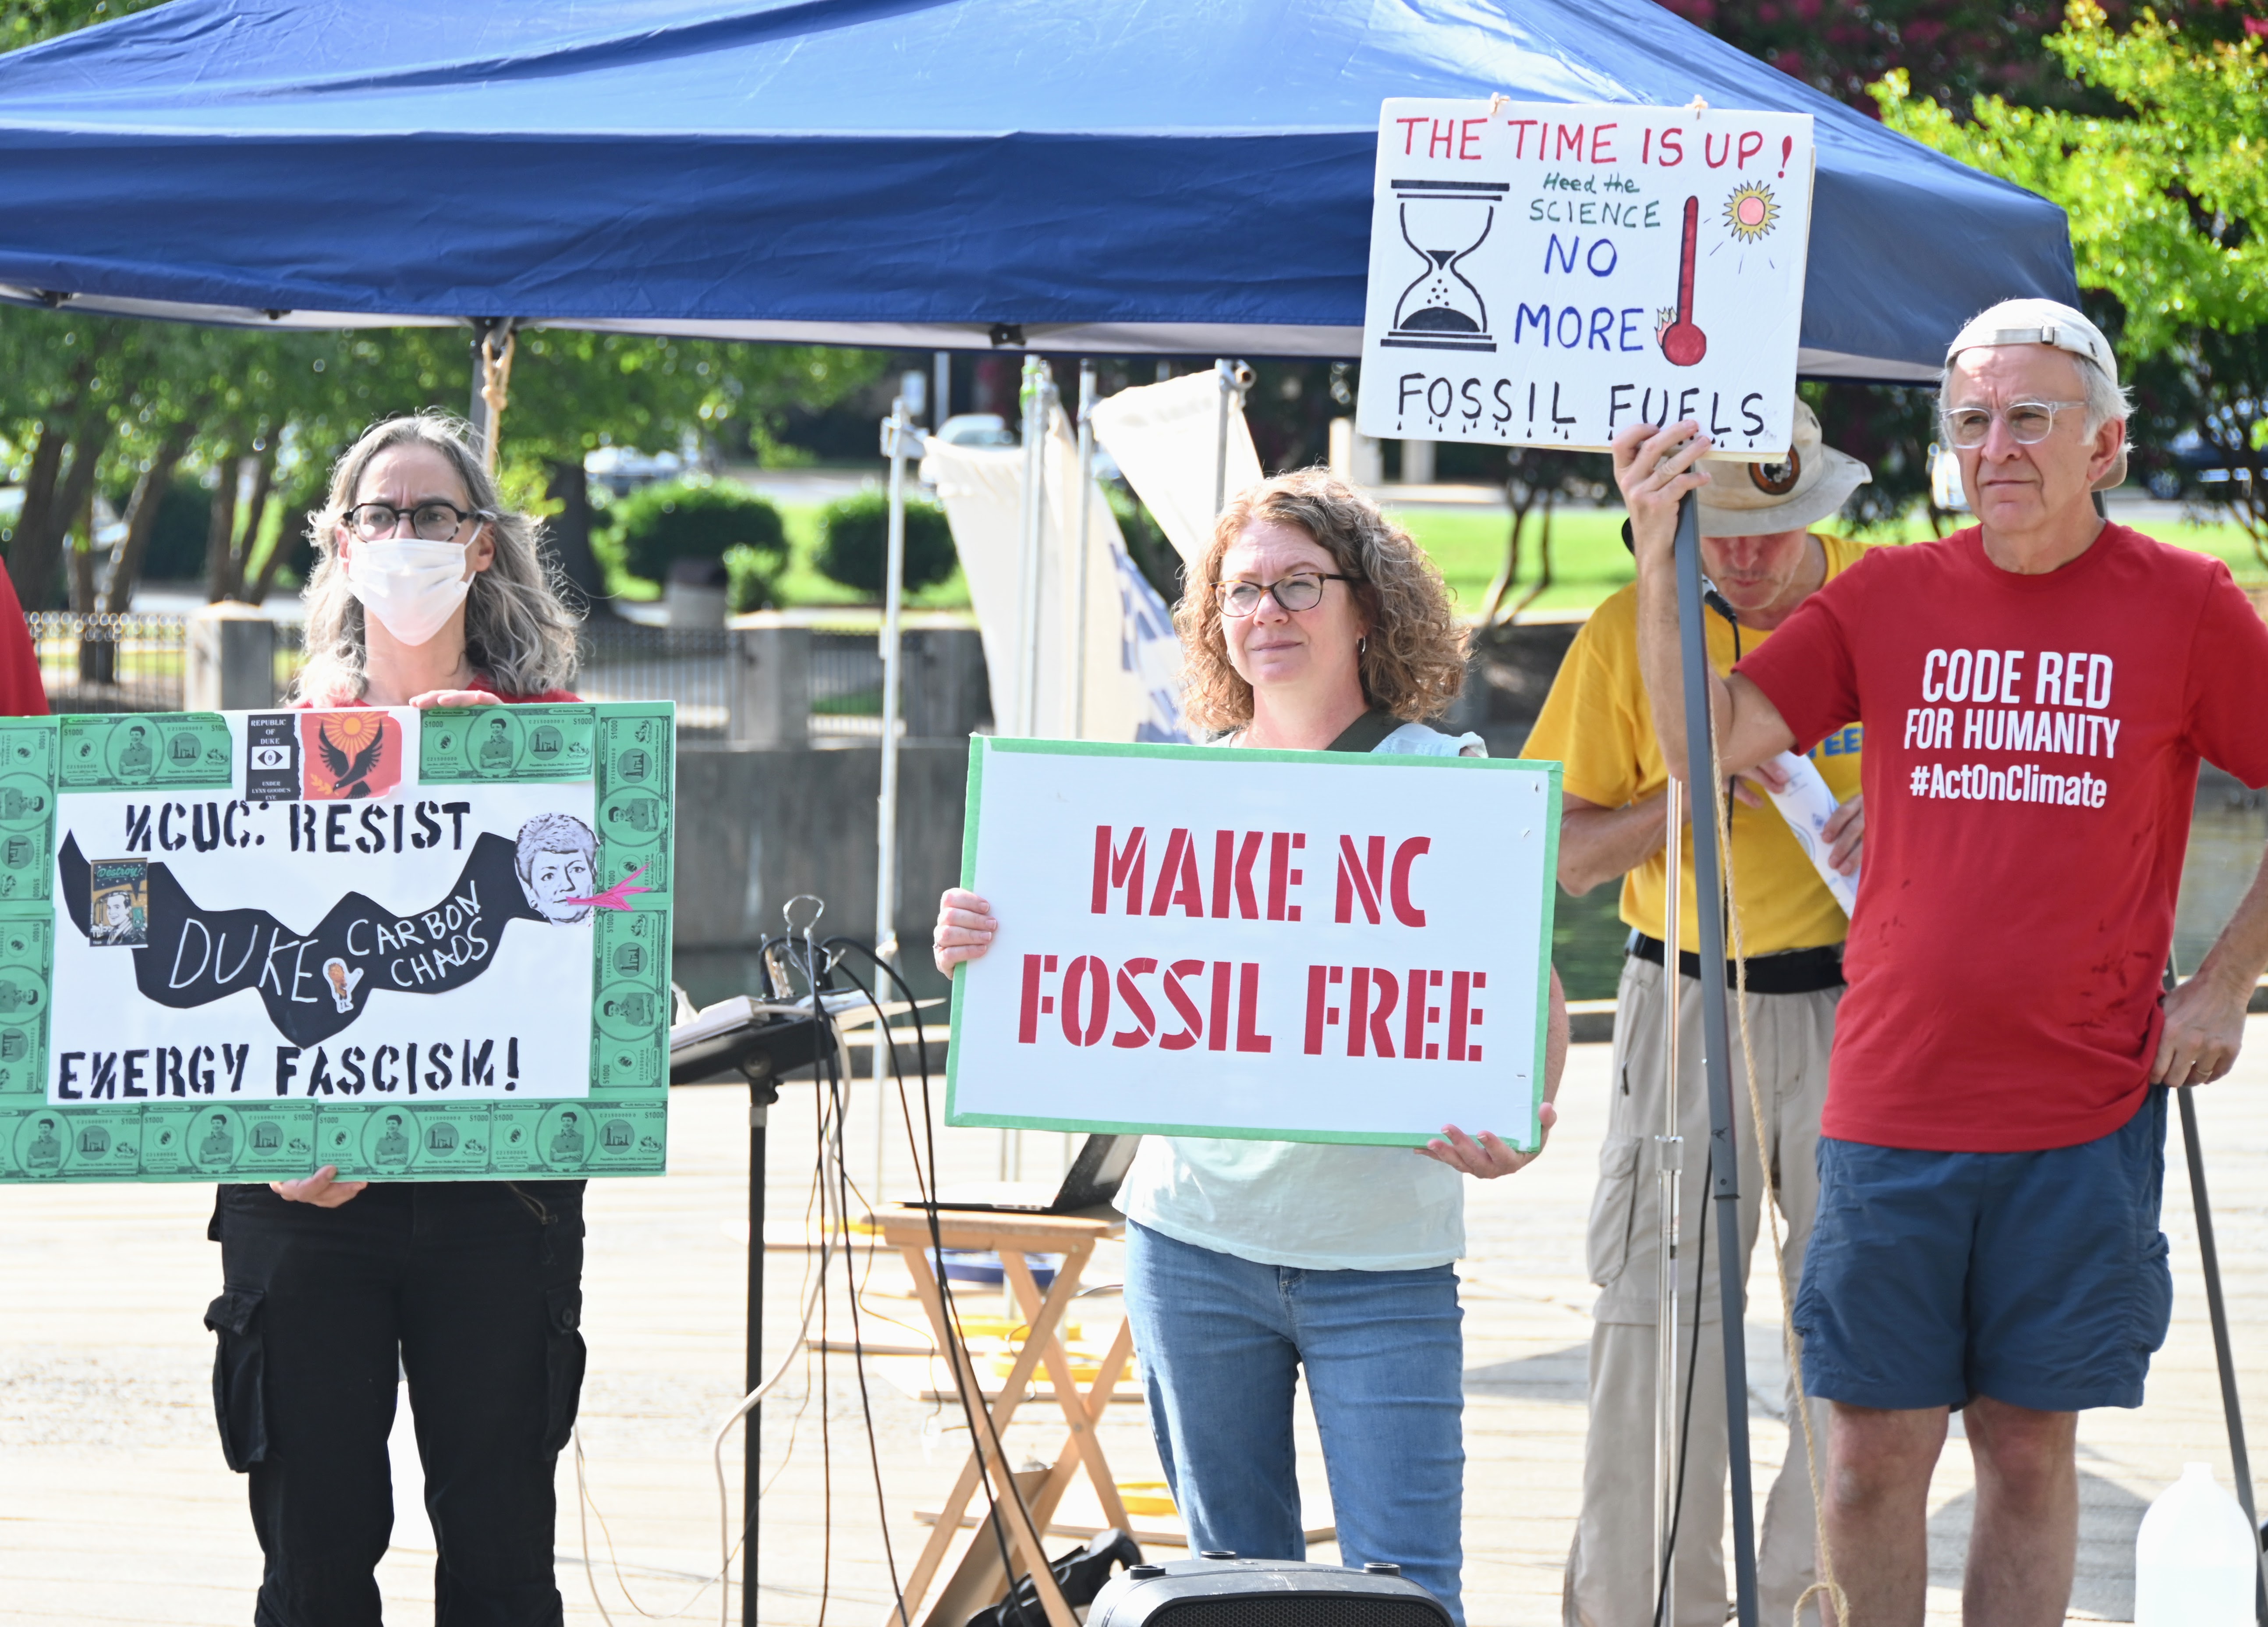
x=1188, y=176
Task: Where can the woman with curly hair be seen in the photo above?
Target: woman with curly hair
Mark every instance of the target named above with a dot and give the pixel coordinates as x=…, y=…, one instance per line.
x=1314, y=624
x=428, y=592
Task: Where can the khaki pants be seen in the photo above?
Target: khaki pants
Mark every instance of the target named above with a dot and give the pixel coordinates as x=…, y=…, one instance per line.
x=1610, y=1568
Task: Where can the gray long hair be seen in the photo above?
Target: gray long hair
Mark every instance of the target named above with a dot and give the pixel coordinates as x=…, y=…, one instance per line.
x=517, y=630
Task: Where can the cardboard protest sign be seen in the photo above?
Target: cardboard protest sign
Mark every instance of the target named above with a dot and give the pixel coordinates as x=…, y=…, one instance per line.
x=1279, y=945
x=239, y=946
x=1548, y=274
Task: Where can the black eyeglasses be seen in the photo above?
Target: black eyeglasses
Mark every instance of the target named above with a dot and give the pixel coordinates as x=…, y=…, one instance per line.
x=1300, y=592
x=436, y=522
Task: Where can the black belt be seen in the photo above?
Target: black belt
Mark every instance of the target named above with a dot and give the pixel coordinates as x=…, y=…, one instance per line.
x=1791, y=972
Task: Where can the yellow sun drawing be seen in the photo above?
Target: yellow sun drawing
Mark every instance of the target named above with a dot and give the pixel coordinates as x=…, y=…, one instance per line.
x=1751, y=212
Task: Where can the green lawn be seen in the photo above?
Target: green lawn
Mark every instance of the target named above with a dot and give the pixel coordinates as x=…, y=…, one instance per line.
x=802, y=587
x=1590, y=560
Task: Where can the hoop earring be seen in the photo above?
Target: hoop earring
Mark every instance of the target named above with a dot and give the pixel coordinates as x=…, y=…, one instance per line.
x=1362, y=645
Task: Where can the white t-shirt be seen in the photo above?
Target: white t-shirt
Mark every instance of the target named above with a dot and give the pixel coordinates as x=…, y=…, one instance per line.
x=1297, y=1203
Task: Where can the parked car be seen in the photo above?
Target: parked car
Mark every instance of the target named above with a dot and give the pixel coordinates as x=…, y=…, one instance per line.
x=990, y=429
x=975, y=429
x=623, y=469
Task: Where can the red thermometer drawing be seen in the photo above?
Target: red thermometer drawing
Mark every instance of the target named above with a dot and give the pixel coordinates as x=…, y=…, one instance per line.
x=1682, y=343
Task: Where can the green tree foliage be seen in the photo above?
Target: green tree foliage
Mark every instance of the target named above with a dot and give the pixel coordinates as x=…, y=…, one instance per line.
x=658, y=525
x=854, y=543
x=1950, y=50
x=27, y=22
x=2169, y=204
x=2168, y=207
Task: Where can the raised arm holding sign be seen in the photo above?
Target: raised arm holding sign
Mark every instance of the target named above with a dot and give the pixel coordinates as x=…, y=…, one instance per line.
x=1255, y=967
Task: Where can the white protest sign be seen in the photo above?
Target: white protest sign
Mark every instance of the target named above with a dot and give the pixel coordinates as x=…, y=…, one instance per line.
x=1548, y=274
x=1282, y=945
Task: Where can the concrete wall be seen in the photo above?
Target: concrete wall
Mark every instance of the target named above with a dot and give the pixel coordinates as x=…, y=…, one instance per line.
x=756, y=826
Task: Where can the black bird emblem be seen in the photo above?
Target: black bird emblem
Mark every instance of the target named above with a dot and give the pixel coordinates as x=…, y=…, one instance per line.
x=351, y=774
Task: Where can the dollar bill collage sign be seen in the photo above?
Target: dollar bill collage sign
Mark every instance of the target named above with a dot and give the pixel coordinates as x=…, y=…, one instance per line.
x=239, y=946
x=1549, y=274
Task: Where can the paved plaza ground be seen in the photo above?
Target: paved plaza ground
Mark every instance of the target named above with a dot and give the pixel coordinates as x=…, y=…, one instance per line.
x=116, y=1506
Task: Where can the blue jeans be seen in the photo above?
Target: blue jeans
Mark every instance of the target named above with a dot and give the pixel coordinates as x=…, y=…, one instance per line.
x=1221, y=1341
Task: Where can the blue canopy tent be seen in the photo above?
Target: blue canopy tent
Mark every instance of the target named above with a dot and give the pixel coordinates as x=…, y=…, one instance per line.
x=1185, y=176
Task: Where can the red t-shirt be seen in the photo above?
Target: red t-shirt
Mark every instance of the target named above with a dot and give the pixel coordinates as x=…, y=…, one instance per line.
x=22, y=691
x=2024, y=854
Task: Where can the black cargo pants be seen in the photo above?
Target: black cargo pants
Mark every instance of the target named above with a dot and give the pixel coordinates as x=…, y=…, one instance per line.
x=475, y=1288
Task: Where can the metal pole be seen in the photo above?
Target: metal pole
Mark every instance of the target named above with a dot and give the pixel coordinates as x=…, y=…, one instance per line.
x=1669, y=1151
x=1079, y=565
x=941, y=406
x=761, y=1094
x=1028, y=597
x=1708, y=906
x=2217, y=1307
x=899, y=442
x=1235, y=378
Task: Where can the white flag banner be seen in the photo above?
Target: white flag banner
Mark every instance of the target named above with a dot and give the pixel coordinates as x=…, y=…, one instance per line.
x=1133, y=658
x=1166, y=439
x=1549, y=274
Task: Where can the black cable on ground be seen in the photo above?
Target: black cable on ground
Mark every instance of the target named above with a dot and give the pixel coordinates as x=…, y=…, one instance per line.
x=951, y=1306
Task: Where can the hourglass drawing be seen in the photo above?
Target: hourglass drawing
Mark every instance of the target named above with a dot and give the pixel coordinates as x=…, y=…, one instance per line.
x=1443, y=222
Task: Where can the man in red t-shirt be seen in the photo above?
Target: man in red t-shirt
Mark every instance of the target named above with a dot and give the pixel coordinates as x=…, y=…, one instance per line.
x=2036, y=692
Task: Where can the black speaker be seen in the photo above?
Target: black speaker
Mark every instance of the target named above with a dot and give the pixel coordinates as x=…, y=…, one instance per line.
x=1228, y=1592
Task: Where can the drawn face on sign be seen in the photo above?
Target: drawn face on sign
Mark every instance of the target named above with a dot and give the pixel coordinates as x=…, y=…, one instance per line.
x=557, y=863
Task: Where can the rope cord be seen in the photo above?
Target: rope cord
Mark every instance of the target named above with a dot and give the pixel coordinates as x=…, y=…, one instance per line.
x=496, y=374
x=1826, y=1586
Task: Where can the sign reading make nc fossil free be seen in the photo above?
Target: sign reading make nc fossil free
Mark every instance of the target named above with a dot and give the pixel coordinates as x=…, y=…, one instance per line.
x=1549, y=274
x=242, y=945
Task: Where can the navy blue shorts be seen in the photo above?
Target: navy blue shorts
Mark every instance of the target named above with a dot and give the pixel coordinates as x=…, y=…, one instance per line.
x=2036, y=1278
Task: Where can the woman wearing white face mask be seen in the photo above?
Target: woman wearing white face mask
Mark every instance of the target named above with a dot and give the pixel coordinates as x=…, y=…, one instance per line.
x=427, y=592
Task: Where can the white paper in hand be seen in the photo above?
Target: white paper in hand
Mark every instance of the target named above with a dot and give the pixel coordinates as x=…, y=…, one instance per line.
x=1807, y=805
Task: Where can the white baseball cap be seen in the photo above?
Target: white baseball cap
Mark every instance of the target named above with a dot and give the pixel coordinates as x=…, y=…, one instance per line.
x=2036, y=321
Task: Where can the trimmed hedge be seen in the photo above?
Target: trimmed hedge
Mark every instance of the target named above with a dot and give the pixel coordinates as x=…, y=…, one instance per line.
x=854, y=541
x=675, y=519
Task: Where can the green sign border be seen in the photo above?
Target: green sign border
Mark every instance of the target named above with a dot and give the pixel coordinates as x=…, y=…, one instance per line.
x=982, y=746
x=630, y=749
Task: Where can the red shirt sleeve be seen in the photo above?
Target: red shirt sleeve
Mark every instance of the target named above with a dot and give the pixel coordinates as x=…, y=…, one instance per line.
x=22, y=691
x=2228, y=682
x=1807, y=669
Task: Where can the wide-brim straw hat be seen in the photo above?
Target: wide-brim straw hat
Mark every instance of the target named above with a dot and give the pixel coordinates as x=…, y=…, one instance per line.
x=1756, y=499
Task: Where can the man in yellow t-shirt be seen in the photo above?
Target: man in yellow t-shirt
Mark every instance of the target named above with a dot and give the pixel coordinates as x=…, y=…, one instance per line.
x=1757, y=550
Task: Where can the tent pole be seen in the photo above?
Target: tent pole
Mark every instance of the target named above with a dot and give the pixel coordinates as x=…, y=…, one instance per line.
x=1221, y=375
x=1669, y=1151
x=1027, y=585
x=941, y=406
x=1079, y=567
x=1724, y=1157
x=898, y=442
